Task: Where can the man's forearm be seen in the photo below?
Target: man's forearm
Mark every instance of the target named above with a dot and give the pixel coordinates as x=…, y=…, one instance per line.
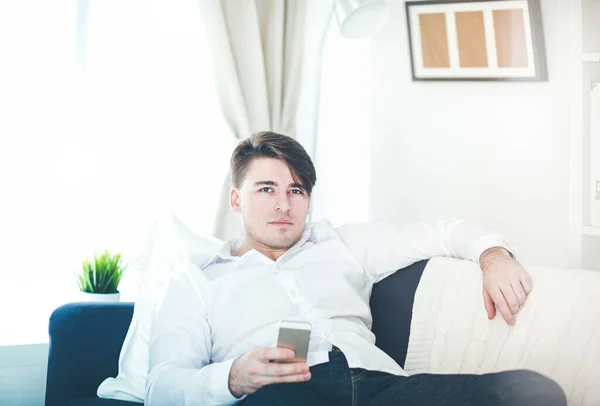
x=177, y=386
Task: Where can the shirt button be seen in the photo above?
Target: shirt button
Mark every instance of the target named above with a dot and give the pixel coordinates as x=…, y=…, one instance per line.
x=293, y=291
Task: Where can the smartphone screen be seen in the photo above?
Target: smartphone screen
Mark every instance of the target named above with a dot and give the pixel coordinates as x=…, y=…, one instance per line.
x=296, y=336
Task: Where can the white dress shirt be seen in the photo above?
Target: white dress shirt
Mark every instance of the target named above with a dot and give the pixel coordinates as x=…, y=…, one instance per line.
x=210, y=316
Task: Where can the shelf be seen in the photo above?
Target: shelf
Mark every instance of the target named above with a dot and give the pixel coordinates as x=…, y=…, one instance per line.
x=590, y=230
x=591, y=57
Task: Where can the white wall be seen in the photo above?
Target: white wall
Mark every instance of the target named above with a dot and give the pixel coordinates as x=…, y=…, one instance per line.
x=495, y=153
x=344, y=117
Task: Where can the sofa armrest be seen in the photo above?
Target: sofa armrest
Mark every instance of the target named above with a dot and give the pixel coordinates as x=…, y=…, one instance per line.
x=85, y=342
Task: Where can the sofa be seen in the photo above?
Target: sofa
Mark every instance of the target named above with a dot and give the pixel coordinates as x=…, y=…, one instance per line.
x=429, y=317
x=86, y=338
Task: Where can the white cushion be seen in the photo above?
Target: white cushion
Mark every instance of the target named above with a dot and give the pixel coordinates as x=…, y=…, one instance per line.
x=557, y=332
x=173, y=242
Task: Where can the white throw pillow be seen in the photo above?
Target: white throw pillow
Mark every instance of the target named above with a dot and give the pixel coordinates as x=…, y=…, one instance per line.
x=173, y=243
x=557, y=332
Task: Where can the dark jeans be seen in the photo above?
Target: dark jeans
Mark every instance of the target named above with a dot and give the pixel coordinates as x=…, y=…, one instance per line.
x=334, y=383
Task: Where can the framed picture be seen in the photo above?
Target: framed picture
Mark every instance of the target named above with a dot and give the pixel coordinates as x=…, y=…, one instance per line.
x=476, y=40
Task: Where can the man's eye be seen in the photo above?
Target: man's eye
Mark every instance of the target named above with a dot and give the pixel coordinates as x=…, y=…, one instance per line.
x=266, y=189
x=297, y=191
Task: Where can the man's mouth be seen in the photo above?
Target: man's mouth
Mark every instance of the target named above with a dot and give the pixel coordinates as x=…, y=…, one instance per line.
x=280, y=222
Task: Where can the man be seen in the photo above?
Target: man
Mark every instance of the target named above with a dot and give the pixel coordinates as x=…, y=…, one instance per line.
x=213, y=338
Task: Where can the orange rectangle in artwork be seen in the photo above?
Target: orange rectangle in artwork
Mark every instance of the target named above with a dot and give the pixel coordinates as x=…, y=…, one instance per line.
x=470, y=30
x=434, y=40
x=511, y=43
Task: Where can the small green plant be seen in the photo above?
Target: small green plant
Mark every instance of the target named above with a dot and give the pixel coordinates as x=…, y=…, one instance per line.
x=102, y=274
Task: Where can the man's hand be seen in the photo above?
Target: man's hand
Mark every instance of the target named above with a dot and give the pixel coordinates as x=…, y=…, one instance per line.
x=254, y=370
x=506, y=284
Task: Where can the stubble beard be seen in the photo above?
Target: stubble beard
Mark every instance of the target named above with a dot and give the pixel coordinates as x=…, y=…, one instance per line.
x=281, y=242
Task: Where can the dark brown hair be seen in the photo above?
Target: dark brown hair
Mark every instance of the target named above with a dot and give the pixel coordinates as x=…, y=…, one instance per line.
x=268, y=144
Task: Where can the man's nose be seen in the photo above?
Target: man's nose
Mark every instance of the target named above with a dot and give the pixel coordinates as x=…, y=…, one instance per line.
x=282, y=203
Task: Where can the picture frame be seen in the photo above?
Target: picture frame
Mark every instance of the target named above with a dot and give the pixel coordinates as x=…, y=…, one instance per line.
x=476, y=40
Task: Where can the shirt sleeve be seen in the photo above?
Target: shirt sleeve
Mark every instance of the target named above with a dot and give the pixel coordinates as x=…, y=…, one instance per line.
x=180, y=372
x=384, y=248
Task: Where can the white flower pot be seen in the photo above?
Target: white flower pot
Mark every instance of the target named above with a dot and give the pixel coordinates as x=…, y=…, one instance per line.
x=100, y=297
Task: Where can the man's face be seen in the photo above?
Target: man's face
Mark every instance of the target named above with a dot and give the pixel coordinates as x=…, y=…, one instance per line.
x=273, y=206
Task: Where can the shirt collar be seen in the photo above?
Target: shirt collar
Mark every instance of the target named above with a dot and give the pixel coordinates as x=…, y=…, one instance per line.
x=227, y=251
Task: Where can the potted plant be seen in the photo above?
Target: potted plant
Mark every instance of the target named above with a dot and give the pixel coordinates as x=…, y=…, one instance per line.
x=99, y=277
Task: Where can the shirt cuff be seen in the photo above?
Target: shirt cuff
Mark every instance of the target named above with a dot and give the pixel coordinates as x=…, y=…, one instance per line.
x=219, y=376
x=488, y=241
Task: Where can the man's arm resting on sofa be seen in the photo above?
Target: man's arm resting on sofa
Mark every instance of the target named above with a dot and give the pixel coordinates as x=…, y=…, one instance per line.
x=384, y=248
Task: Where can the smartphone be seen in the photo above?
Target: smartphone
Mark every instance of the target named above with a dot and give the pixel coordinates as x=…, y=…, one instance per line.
x=296, y=336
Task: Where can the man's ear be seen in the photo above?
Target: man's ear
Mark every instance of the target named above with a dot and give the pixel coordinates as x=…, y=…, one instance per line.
x=234, y=199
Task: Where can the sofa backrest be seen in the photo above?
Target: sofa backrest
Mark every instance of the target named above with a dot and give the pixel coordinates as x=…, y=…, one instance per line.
x=391, y=307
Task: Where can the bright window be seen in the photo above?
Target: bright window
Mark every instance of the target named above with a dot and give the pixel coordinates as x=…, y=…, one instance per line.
x=88, y=157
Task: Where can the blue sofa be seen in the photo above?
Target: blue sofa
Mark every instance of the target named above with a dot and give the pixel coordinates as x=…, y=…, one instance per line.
x=86, y=338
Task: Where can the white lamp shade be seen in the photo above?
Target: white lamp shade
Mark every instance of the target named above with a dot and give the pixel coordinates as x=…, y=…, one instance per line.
x=361, y=18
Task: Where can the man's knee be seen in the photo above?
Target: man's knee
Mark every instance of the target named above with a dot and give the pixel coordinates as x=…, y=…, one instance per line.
x=532, y=388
